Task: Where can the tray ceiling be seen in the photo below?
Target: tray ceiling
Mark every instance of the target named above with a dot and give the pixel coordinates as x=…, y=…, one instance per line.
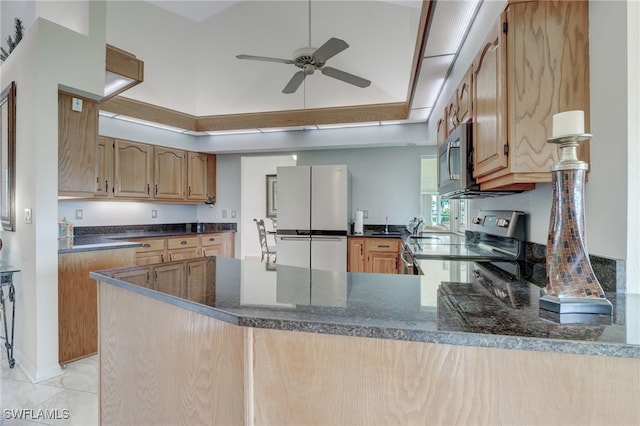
x=189, y=50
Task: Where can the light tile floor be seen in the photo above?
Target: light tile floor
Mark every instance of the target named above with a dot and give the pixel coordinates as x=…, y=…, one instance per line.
x=76, y=391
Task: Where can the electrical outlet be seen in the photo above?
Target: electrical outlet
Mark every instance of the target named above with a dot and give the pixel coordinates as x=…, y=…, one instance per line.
x=154, y=214
x=79, y=214
x=233, y=214
x=365, y=214
x=224, y=213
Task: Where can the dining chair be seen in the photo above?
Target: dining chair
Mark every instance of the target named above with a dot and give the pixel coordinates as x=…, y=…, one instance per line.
x=268, y=251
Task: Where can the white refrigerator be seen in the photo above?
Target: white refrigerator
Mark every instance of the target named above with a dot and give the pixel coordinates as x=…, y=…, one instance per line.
x=314, y=207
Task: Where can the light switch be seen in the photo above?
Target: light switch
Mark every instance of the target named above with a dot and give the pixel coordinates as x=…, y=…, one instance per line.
x=154, y=214
x=76, y=104
x=224, y=213
x=27, y=215
x=233, y=213
x=79, y=214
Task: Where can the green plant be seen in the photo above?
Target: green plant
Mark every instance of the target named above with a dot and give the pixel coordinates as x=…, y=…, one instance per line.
x=12, y=42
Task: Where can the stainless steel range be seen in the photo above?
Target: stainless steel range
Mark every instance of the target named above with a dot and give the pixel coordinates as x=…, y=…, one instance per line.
x=494, y=235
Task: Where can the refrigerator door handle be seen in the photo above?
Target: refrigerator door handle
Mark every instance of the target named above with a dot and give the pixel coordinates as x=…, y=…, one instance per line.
x=328, y=238
x=293, y=238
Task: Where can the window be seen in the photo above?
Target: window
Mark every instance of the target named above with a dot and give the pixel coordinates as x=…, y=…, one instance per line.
x=450, y=214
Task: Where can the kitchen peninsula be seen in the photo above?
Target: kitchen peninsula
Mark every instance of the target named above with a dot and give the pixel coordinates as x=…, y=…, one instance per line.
x=245, y=342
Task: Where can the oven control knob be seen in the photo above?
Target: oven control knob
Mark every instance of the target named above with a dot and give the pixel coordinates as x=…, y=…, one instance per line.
x=503, y=223
x=477, y=220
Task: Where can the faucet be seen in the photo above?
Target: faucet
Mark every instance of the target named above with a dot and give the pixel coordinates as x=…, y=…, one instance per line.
x=386, y=225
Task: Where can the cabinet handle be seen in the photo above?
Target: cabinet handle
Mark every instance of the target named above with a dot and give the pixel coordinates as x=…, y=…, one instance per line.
x=383, y=246
x=146, y=245
x=361, y=249
x=183, y=242
x=162, y=258
x=212, y=239
x=106, y=186
x=148, y=189
x=189, y=191
x=156, y=189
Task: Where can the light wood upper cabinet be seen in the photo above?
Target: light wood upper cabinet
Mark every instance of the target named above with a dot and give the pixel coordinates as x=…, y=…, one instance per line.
x=464, y=97
x=169, y=173
x=451, y=114
x=133, y=169
x=442, y=131
x=77, y=133
x=211, y=178
x=534, y=64
x=489, y=122
x=104, y=167
x=196, y=176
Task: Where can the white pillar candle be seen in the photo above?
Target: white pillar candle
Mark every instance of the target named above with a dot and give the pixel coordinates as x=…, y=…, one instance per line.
x=568, y=123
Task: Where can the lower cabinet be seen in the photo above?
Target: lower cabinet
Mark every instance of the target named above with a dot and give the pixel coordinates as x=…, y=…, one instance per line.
x=380, y=255
x=221, y=245
x=172, y=249
x=77, y=299
x=183, y=248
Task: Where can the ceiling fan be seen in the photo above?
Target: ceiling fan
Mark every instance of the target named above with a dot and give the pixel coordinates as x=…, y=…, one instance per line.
x=311, y=59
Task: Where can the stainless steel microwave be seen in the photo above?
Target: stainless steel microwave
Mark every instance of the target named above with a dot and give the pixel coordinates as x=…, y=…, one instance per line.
x=455, y=165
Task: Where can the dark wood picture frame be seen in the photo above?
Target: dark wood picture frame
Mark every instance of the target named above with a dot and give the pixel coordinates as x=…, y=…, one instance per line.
x=272, y=186
x=8, y=157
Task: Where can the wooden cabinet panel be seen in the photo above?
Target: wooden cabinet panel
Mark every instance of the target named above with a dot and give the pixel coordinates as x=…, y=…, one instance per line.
x=382, y=255
x=183, y=248
x=77, y=133
x=170, y=279
x=534, y=64
x=451, y=114
x=489, y=112
x=169, y=173
x=133, y=169
x=442, y=131
x=219, y=244
x=184, y=254
x=355, y=255
x=182, y=242
x=77, y=299
x=197, y=283
x=104, y=167
x=151, y=251
x=196, y=176
x=464, y=97
x=211, y=178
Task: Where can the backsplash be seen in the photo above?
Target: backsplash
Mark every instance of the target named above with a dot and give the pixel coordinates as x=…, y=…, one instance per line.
x=610, y=272
x=80, y=231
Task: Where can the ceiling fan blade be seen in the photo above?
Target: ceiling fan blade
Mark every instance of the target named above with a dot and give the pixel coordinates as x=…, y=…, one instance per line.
x=346, y=77
x=265, y=58
x=295, y=82
x=332, y=47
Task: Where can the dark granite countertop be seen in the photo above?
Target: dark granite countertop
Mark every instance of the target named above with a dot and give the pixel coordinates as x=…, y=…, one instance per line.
x=116, y=237
x=449, y=304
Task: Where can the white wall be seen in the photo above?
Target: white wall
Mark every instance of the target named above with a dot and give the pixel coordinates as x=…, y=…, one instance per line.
x=106, y=213
x=46, y=58
x=254, y=197
x=384, y=181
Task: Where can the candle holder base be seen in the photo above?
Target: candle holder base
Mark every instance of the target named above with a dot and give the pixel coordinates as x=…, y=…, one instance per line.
x=576, y=305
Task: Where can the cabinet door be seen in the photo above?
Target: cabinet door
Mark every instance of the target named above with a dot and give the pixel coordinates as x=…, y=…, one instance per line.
x=77, y=299
x=489, y=108
x=170, y=279
x=197, y=281
x=169, y=172
x=464, y=97
x=383, y=262
x=77, y=133
x=211, y=178
x=442, y=131
x=184, y=254
x=451, y=114
x=133, y=169
x=196, y=176
x=150, y=257
x=355, y=255
x=104, y=167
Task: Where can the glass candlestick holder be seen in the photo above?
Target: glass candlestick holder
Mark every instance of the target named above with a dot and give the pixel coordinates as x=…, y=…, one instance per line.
x=572, y=287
